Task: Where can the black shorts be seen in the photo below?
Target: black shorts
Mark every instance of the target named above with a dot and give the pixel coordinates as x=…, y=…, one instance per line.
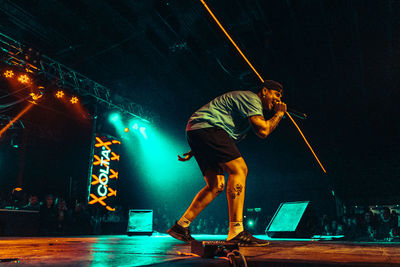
x=211, y=146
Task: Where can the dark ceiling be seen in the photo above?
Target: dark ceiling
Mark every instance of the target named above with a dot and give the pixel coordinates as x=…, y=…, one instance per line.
x=338, y=61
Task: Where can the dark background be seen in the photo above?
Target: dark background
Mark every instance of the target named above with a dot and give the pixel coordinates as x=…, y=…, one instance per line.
x=338, y=61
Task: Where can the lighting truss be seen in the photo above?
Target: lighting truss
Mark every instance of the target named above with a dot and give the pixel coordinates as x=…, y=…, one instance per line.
x=4, y=119
x=14, y=54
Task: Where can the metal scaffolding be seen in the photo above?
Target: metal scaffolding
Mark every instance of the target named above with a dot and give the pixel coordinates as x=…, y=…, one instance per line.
x=15, y=53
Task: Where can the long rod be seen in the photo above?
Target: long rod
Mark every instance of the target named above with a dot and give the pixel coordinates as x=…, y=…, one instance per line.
x=259, y=76
x=230, y=39
x=305, y=140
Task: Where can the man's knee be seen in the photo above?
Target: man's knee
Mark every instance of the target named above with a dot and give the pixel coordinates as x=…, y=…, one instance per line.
x=243, y=168
x=237, y=166
x=217, y=186
x=220, y=186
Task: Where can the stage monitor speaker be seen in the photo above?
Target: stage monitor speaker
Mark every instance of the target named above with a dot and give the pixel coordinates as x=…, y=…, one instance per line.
x=292, y=220
x=140, y=222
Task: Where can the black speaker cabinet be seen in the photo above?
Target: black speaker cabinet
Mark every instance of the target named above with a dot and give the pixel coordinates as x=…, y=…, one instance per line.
x=292, y=220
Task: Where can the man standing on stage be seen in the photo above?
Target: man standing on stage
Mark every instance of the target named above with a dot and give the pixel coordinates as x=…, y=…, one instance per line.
x=212, y=132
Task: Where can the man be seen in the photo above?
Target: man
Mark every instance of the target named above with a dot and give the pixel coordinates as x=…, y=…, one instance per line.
x=212, y=132
x=33, y=203
x=49, y=216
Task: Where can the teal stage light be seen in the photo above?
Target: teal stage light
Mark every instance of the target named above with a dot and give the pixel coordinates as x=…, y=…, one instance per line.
x=155, y=154
x=116, y=120
x=152, y=152
x=143, y=132
x=114, y=117
x=250, y=224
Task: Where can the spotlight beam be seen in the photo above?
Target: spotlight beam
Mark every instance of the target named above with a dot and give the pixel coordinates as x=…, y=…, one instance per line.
x=19, y=115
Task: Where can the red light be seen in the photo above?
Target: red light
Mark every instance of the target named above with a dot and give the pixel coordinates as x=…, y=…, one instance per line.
x=28, y=107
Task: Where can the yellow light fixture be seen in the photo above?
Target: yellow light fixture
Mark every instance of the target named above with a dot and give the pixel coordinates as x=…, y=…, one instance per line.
x=74, y=100
x=8, y=74
x=60, y=94
x=23, y=79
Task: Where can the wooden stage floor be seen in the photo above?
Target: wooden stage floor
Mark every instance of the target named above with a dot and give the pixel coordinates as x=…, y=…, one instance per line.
x=163, y=250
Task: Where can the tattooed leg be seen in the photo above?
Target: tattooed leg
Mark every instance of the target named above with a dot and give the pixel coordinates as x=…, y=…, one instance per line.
x=236, y=191
x=215, y=185
x=237, y=171
x=221, y=187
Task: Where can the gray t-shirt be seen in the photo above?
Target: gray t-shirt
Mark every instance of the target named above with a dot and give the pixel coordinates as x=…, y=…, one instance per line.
x=229, y=111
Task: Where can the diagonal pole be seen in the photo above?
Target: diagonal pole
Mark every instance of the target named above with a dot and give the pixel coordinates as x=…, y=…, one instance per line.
x=230, y=39
x=259, y=76
x=305, y=140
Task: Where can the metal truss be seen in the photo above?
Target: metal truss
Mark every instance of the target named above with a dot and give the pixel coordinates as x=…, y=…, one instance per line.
x=4, y=119
x=15, y=54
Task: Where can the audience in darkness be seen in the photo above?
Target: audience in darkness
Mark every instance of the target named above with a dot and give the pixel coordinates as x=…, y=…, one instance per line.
x=50, y=217
x=387, y=224
x=60, y=217
x=367, y=226
x=33, y=203
x=77, y=220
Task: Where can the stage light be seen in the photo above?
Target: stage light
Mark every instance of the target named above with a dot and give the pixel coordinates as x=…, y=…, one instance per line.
x=60, y=94
x=74, y=100
x=23, y=79
x=143, y=132
x=126, y=129
x=36, y=96
x=19, y=115
x=135, y=126
x=159, y=149
x=8, y=74
x=114, y=117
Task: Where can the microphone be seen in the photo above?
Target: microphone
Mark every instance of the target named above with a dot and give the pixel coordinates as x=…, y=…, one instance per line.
x=296, y=113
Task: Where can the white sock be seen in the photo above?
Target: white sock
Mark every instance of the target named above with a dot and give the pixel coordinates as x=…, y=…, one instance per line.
x=184, y=222
x=235, y=228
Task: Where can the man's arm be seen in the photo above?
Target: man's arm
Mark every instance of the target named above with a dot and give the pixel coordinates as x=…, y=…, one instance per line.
x=186, y=157
x=263, y=127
